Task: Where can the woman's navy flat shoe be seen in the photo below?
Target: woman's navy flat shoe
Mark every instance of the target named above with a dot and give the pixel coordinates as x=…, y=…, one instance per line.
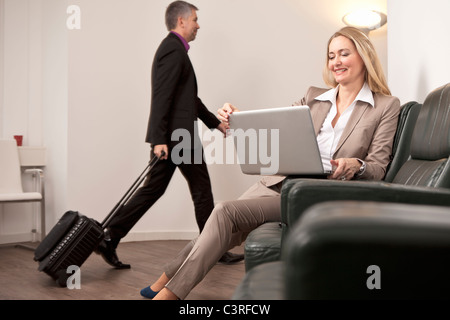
x=148, y=293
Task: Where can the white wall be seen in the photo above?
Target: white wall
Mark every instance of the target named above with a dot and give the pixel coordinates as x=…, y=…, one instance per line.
x=91, y=107
x=55, y=105
x=418, y=47
x=21, y=96
x=33, y=51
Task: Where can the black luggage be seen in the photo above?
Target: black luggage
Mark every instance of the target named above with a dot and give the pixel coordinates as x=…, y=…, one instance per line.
x=72, y=240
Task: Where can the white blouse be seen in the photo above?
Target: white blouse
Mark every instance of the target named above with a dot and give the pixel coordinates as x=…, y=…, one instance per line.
x=329, y=137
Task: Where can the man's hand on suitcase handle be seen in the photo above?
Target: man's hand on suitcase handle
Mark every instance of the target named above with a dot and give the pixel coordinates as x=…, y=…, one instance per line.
x=161, y=151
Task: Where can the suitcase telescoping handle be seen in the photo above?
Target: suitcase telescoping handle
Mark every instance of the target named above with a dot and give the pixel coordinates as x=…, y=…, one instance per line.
x=131, y=191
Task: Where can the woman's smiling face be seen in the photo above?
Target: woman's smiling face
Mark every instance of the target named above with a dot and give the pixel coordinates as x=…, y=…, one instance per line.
x=344, y=61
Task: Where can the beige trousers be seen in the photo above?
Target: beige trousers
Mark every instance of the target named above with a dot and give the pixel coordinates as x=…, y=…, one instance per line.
x=228, y=226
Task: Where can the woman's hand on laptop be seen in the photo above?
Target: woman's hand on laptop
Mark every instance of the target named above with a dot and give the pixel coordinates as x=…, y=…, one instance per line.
x=224, y=113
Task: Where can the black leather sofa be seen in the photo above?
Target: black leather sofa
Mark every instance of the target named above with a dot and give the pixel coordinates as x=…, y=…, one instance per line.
x=359, y=250
x=420, y=184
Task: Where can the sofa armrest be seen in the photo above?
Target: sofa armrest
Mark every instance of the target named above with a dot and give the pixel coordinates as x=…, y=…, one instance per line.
x=299, y=195
x=369, y=250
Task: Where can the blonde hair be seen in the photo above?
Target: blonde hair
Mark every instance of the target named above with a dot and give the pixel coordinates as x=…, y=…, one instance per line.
x=374, y=72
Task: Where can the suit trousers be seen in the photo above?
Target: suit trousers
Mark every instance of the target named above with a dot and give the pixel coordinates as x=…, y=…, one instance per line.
x=228, y=226
x=155, y=184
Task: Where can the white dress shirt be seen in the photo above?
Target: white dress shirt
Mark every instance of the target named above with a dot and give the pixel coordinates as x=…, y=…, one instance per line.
x=328, y=137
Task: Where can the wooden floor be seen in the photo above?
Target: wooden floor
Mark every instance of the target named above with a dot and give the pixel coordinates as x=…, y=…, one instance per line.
x=20, y=279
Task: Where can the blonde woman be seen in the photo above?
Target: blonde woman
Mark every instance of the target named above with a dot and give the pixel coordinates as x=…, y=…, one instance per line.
x=355, y=123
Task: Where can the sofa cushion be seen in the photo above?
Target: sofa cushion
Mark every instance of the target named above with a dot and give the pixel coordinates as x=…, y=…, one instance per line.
x=263, y=282
x=263, y=245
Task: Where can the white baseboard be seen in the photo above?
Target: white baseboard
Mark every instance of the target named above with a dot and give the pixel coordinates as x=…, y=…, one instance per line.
x=19, y=237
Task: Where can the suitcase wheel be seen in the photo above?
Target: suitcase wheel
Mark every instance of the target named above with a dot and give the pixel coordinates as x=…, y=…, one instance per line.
x=61, y=278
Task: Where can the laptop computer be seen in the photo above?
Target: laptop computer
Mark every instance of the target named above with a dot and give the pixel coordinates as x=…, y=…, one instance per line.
x=276, y=141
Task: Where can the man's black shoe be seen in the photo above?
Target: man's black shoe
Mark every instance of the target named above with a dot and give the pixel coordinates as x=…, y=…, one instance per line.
x=108, y=252
x=231, y=258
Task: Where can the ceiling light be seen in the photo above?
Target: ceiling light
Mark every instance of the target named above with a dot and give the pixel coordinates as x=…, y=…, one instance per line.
x=366, y=20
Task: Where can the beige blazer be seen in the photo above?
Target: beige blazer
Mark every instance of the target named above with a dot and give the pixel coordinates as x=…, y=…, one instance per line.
x=368, y=135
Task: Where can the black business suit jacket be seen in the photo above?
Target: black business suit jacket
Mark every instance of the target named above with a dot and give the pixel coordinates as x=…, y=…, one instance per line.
x=175, y=104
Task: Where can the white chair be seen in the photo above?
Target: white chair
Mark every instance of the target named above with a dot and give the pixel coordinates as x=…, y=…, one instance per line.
x=11, y=182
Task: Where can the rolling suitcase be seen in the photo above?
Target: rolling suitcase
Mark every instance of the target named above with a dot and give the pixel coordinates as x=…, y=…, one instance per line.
x=72, y=240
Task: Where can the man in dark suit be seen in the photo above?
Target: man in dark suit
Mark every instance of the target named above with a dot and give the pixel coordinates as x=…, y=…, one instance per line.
x=175, y=107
